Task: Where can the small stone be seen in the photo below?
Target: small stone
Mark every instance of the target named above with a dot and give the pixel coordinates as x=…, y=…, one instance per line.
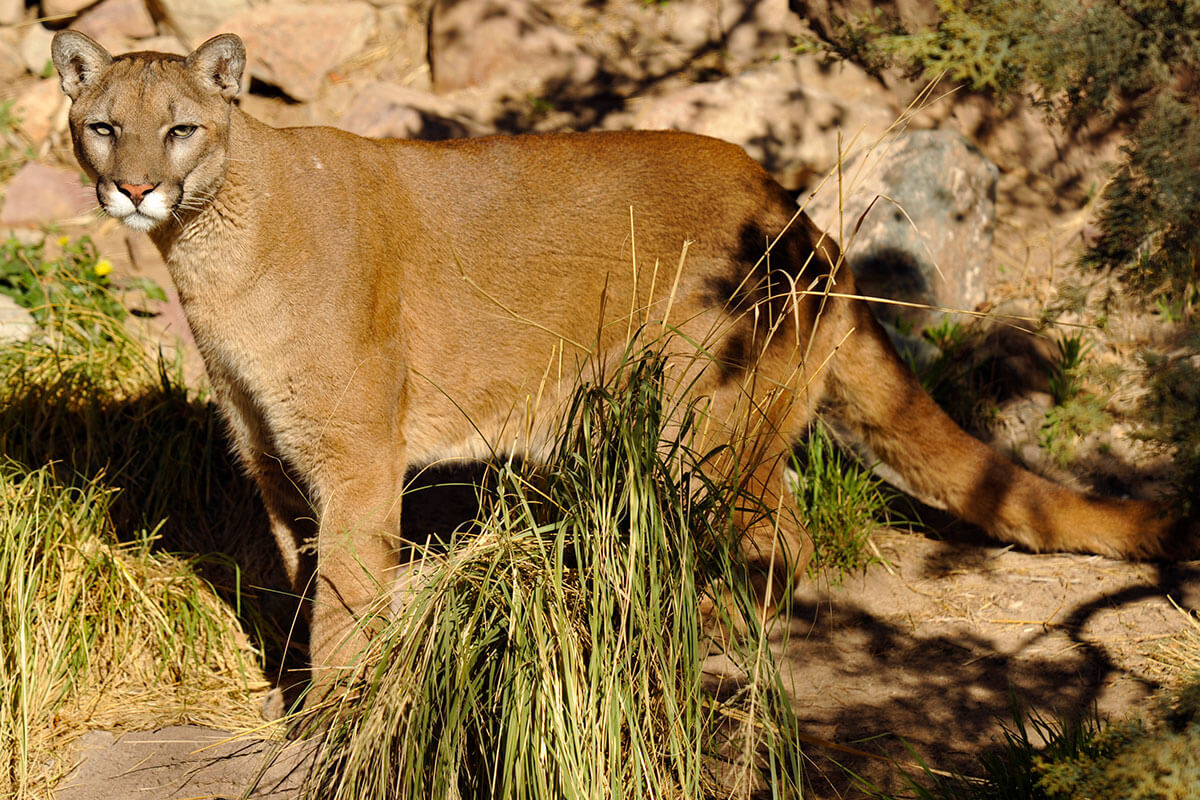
x=41, y=110
x=41, y=195
x=35, y=48
x=16, y=323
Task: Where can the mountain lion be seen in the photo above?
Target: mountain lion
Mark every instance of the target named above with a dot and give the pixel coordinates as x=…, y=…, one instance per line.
x=364, y=306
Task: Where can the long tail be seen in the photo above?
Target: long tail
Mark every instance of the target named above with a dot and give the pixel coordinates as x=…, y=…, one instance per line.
x=882, y=401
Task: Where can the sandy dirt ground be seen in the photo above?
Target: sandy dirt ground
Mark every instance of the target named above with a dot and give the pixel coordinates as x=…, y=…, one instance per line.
x=930, y=650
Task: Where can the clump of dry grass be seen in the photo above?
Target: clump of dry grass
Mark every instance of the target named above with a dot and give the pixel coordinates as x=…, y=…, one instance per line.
x=95, y=633
x=99, y=627
x=556, y=651
x=1179, y=654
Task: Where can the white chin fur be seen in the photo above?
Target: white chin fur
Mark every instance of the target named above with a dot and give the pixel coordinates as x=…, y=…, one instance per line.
x=141, y=222
x=144, y=217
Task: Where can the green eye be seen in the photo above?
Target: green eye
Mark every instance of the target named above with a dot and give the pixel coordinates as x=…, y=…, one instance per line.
x=101, y=128
x=181, y=131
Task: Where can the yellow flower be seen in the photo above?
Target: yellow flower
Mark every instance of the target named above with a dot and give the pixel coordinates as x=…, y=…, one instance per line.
x=63, y=241
x=103, y=267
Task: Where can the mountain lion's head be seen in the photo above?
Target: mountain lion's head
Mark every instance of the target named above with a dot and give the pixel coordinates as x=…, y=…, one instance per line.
x=150, y=129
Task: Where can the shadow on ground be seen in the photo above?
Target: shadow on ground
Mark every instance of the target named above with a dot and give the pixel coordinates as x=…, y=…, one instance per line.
x=932, y=652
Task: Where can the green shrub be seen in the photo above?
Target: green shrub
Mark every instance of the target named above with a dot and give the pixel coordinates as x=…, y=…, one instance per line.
x=73, y=289
x=1170, y=413
x=1137, y=60
x=1133, y=761
x=1075, y=412
x=841, y=504
x=1064, y=757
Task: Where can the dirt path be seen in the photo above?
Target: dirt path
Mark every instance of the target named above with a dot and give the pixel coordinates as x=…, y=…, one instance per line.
x=181, y=762
x=931, y=648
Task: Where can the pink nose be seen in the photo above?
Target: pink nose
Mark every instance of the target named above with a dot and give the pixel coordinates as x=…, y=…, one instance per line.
x=136, y=193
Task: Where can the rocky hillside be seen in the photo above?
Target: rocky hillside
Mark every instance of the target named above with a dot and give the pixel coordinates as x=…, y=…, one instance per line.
x=943, y=198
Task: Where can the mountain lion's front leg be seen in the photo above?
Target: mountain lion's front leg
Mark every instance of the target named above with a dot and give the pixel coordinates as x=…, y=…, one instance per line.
x=357, y=547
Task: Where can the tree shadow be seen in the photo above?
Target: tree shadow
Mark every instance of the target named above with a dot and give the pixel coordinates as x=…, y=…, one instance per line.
x=582, y=105
x=877, y=696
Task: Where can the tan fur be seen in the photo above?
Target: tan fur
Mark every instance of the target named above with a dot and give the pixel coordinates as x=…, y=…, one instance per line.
x=363, y=306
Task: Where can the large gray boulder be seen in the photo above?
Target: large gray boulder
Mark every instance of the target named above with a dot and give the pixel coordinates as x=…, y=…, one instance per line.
x=916, y=220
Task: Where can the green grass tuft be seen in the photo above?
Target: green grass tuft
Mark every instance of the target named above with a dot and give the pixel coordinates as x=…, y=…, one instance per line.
x=841, y=503
x=556, y=651
x=1076, y=412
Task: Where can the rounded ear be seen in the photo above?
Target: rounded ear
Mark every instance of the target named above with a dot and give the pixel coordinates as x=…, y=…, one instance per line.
x=219, y=63
x=78, y=60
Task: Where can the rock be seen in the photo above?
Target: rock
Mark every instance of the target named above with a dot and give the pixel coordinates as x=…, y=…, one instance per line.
x=12, y=11
x=53, y=8
x=688, y=26
x=475, y=43
x=35, y=48
x=926, y=201
x=40, y=195
x=652, y=40
x=185, y=761
x=116, y=23
x=12, y=65
x=294, y=46
x=385, y=110
x=16, y=323
x=752, y=27
x=194, y=20
x=41, y=110
x=786, y=115
x=403, y=46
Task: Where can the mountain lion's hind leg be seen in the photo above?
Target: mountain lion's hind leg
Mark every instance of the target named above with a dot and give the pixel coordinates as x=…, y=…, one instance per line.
x=773, y=546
